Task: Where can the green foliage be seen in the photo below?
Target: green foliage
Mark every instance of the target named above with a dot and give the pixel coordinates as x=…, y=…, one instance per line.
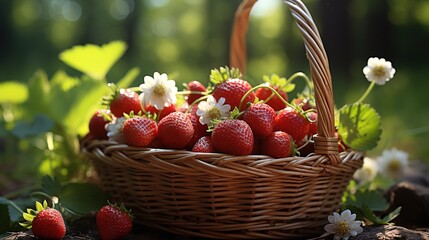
x=13, y=92
x=4, y=218
x=95, y=61
x=38, y=125
x=217, y=76
x=367, y=203
x=359, y=126
x=277, y=81
x=82, y=198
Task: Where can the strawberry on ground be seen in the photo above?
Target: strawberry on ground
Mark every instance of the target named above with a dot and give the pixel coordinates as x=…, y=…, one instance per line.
x=122, y=101
x=194, y=86
x=233, y=136
x=45, y=222
x=204, y=144
x=229, y=86
x=293, y=122
x=139, y=131
x=175, y=130
x=260, y=117
x=113, y=222
x=97, y=124
x=278, y=145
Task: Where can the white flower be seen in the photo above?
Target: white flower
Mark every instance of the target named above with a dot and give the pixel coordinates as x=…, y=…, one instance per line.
x=344, y=225
x=392, y=163
x=210, y=110
x=114, y=129
x=379, y=70
x=367, y=172
x=158, y=91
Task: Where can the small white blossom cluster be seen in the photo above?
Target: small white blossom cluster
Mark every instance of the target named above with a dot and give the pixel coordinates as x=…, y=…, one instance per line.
x=379, y=70
x=344, y=225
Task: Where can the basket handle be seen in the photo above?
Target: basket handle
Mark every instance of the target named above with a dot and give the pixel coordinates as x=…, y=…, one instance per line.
x=325, y=142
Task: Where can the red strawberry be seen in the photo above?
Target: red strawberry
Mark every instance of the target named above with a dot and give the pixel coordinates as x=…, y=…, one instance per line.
x=45, y=222
x=305, y=103
x=204, y=144
x=293, y=122
x=312, y=116
x=161, y=113
x=278, y=145
x=139, y=131
x=97, y=124
x=175, y=130
x=123, y=101
x=233, y=136
x=113, y=222
x=194, y=86
x=200, y=130
x=341, y=145
x=260, y=118
x=231, y=87
x=275, y=102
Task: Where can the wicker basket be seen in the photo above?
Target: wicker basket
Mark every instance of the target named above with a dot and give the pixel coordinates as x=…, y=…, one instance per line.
x=213, y=195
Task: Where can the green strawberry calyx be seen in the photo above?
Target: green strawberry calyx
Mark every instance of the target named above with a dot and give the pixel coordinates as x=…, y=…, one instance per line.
x=121, y=207
x=31, y=214
x=280, y=82
x=218, y=76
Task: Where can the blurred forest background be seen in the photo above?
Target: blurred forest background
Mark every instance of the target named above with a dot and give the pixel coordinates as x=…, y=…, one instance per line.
x=188, y=38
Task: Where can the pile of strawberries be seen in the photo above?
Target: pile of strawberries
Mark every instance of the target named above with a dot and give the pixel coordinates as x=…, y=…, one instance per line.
x=230, y=117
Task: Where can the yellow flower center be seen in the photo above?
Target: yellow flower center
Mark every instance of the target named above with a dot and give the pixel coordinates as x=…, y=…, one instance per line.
x=214, y=113
x=394, y=165
x=379, y=71
x=342, y=228
x=159, y=90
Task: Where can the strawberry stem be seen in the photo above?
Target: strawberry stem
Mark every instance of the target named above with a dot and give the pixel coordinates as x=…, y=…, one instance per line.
x=307, y=80
x=195, y=102
x=264, y=86
x=368, y=90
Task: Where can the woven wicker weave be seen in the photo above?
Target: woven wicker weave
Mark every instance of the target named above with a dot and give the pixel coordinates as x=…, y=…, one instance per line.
x=213, y=195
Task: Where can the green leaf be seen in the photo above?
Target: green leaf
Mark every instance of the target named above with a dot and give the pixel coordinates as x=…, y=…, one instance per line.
x=4, y=218
x=374, y=200
x=392, y=215
x=217, y=76
x=75, y=100
x=83, y=198
x=39, y=89
x=39, y=124
x=13, y=92
x=51, y=186
x=359, y=126
x=93, y=60
x=126, y=81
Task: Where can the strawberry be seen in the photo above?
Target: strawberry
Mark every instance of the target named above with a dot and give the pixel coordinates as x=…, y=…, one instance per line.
x=275, y=102
x=45, y=222
x=260, y=118
x=312, y=116
x=122, y=101
x=231, y=87
x=233, y=136
x=175, y=130
x=204, y=144
x=160, y=113
x=200, y=130
x=305, y=103
x=293, y=122
x=139, y=131
x=113, y=222
x=194, y=86
x=278, y=145
x=97, y=124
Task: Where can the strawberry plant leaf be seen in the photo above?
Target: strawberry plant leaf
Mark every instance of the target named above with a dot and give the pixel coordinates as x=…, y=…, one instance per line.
x=51, y=186
x=75, y=198
x=392, y=215
x=39, y=124
x=13, y=92
x=126, y=81
x=93, y=60
x=39, y=89
x=359, y=126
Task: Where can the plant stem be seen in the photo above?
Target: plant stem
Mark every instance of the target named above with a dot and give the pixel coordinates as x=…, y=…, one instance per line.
x=309, y=83
x=263, y=86
x=368, y=90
